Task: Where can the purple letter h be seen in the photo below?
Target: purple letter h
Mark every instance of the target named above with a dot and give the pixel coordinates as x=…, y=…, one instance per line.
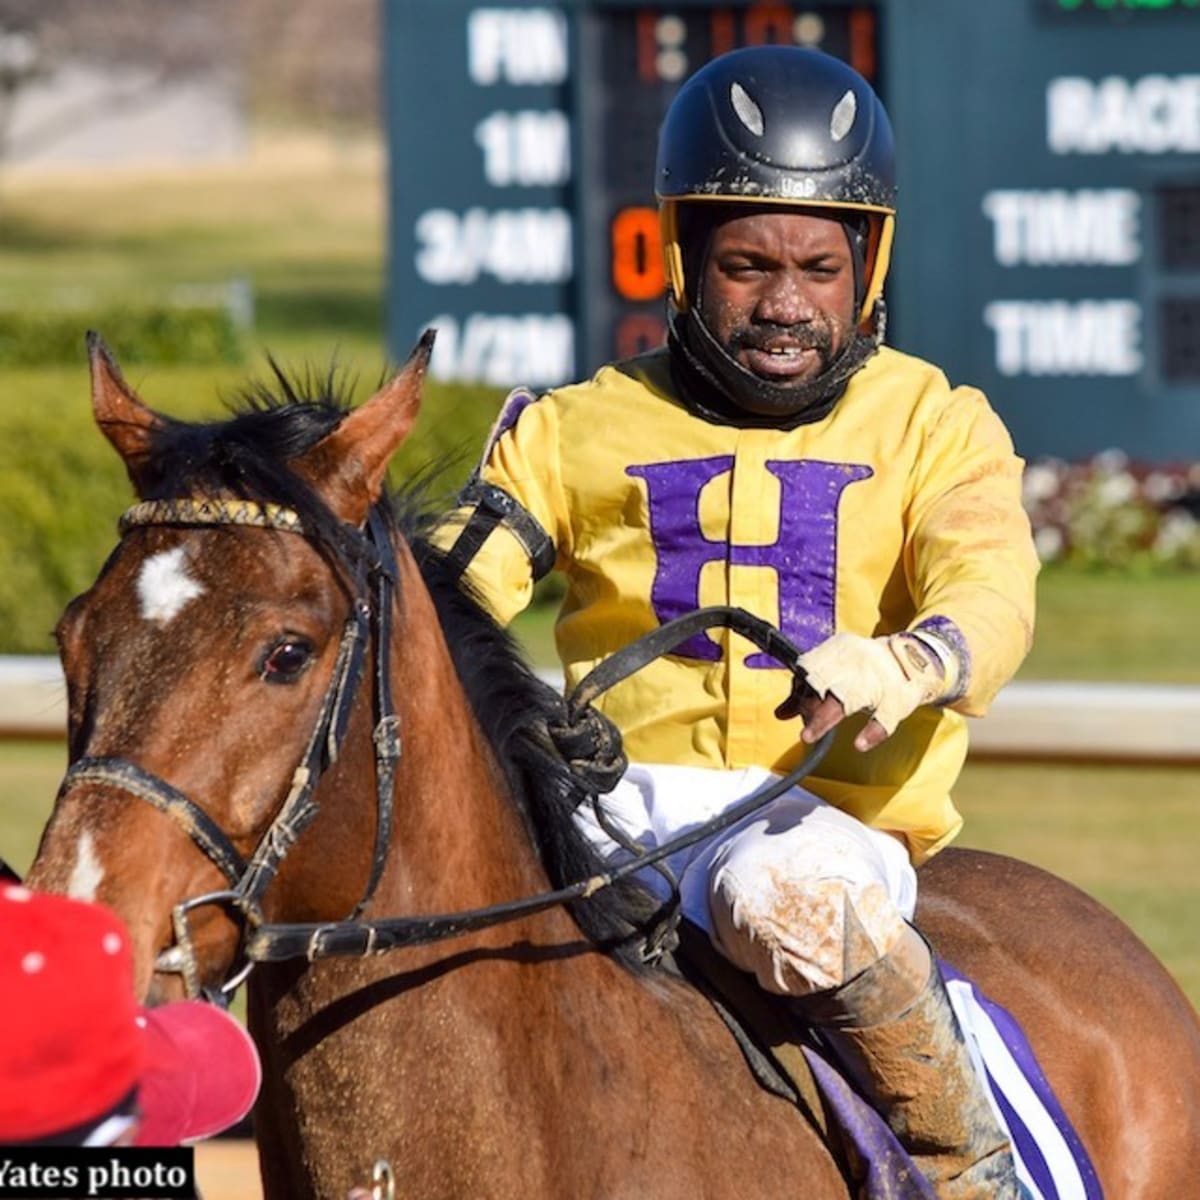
x=804, y=556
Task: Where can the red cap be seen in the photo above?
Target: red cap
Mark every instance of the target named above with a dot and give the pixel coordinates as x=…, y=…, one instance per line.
x=74, y=1043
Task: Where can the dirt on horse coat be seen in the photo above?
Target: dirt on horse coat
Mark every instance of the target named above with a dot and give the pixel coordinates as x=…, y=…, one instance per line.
x=521, y=1061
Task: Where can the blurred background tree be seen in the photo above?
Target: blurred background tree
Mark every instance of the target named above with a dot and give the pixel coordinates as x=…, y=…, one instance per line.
x=290, y=61
x=145, y=45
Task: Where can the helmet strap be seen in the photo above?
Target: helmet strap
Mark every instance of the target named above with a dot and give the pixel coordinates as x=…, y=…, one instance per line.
x=858, y=233
x=718, y=388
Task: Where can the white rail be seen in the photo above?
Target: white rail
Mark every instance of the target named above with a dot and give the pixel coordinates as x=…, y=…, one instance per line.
x=33, y=698
x=1093, y=721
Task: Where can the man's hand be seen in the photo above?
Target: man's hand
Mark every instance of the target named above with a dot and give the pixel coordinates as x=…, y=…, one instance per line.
x=887, y=677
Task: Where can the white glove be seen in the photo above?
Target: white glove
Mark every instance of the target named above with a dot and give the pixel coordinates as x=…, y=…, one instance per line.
x=887, y=677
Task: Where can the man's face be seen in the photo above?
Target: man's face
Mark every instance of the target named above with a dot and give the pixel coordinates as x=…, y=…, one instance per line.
x=778, y=293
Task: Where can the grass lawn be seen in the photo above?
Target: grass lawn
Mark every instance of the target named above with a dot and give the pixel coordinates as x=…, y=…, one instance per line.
x=1126, y=835
x=29, y=775
x=304, y=226
x=1116, y=627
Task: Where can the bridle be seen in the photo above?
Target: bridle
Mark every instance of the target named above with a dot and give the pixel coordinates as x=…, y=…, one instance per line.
x=374, y=573
x=373, y=583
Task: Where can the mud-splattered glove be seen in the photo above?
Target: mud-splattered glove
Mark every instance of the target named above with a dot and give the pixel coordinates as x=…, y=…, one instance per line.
x=887, y=677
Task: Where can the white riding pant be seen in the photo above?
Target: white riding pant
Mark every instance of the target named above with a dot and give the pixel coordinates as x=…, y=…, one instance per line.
x=800, y=894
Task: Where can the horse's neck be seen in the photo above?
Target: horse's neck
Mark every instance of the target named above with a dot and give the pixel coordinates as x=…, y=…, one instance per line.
x=448, y=1026
x=460, y=838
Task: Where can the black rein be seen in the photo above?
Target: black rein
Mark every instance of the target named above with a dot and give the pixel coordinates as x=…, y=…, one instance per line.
x=275, y=943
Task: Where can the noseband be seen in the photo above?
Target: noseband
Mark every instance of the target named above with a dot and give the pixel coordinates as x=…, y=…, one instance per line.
x=370, y=618
x=375, y=574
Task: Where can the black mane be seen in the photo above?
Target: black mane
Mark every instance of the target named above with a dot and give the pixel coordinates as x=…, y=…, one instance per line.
x=246, y=455
x=512, y=705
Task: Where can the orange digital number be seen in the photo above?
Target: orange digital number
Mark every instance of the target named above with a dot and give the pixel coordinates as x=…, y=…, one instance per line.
x=647, y=46
x=637, y=333
x=862, y=42
x=769, y=23
x=722, y=33
x=637, y=267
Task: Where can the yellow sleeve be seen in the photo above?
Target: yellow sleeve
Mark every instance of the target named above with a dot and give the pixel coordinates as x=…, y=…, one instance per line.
x=971, y=560
x=521, y=459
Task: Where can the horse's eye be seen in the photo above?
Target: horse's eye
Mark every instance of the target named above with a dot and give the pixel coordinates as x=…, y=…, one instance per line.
x=285, y=661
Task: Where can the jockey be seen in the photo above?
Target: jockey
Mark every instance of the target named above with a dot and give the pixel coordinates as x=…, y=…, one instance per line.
x=776, y=456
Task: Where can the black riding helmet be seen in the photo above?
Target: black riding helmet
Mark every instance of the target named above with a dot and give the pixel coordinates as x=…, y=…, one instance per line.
x=783, y=126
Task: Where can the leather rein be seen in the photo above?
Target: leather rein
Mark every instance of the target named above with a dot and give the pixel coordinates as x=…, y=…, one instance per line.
x=369, y=622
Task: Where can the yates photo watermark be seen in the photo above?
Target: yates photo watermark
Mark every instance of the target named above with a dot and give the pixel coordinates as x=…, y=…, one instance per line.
x=100, y=1173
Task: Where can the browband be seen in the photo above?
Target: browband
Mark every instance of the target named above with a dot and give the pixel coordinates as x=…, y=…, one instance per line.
x=192, y=511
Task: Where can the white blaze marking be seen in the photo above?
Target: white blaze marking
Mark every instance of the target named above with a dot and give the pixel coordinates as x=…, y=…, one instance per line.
x=85, y=878
x=164, y=585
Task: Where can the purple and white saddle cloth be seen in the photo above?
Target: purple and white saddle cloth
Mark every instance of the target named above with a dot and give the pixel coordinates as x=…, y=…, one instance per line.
x=1051, y=1160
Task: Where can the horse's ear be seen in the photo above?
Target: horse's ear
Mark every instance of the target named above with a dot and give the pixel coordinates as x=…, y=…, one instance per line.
x=122, y=417
x=349, y=465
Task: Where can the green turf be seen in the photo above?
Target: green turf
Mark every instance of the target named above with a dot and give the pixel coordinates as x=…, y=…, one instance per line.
x=29, y=775
x=306, y=233
x=1109, y=626
x=1126, y=835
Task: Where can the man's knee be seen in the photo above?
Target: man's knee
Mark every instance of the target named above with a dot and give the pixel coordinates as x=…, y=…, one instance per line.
x=802, y=934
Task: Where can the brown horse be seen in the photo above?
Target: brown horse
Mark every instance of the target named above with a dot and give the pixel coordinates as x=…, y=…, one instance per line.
x=214, y=714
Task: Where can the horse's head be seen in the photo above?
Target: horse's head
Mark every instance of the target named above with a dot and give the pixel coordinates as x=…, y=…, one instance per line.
x=205, y=666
